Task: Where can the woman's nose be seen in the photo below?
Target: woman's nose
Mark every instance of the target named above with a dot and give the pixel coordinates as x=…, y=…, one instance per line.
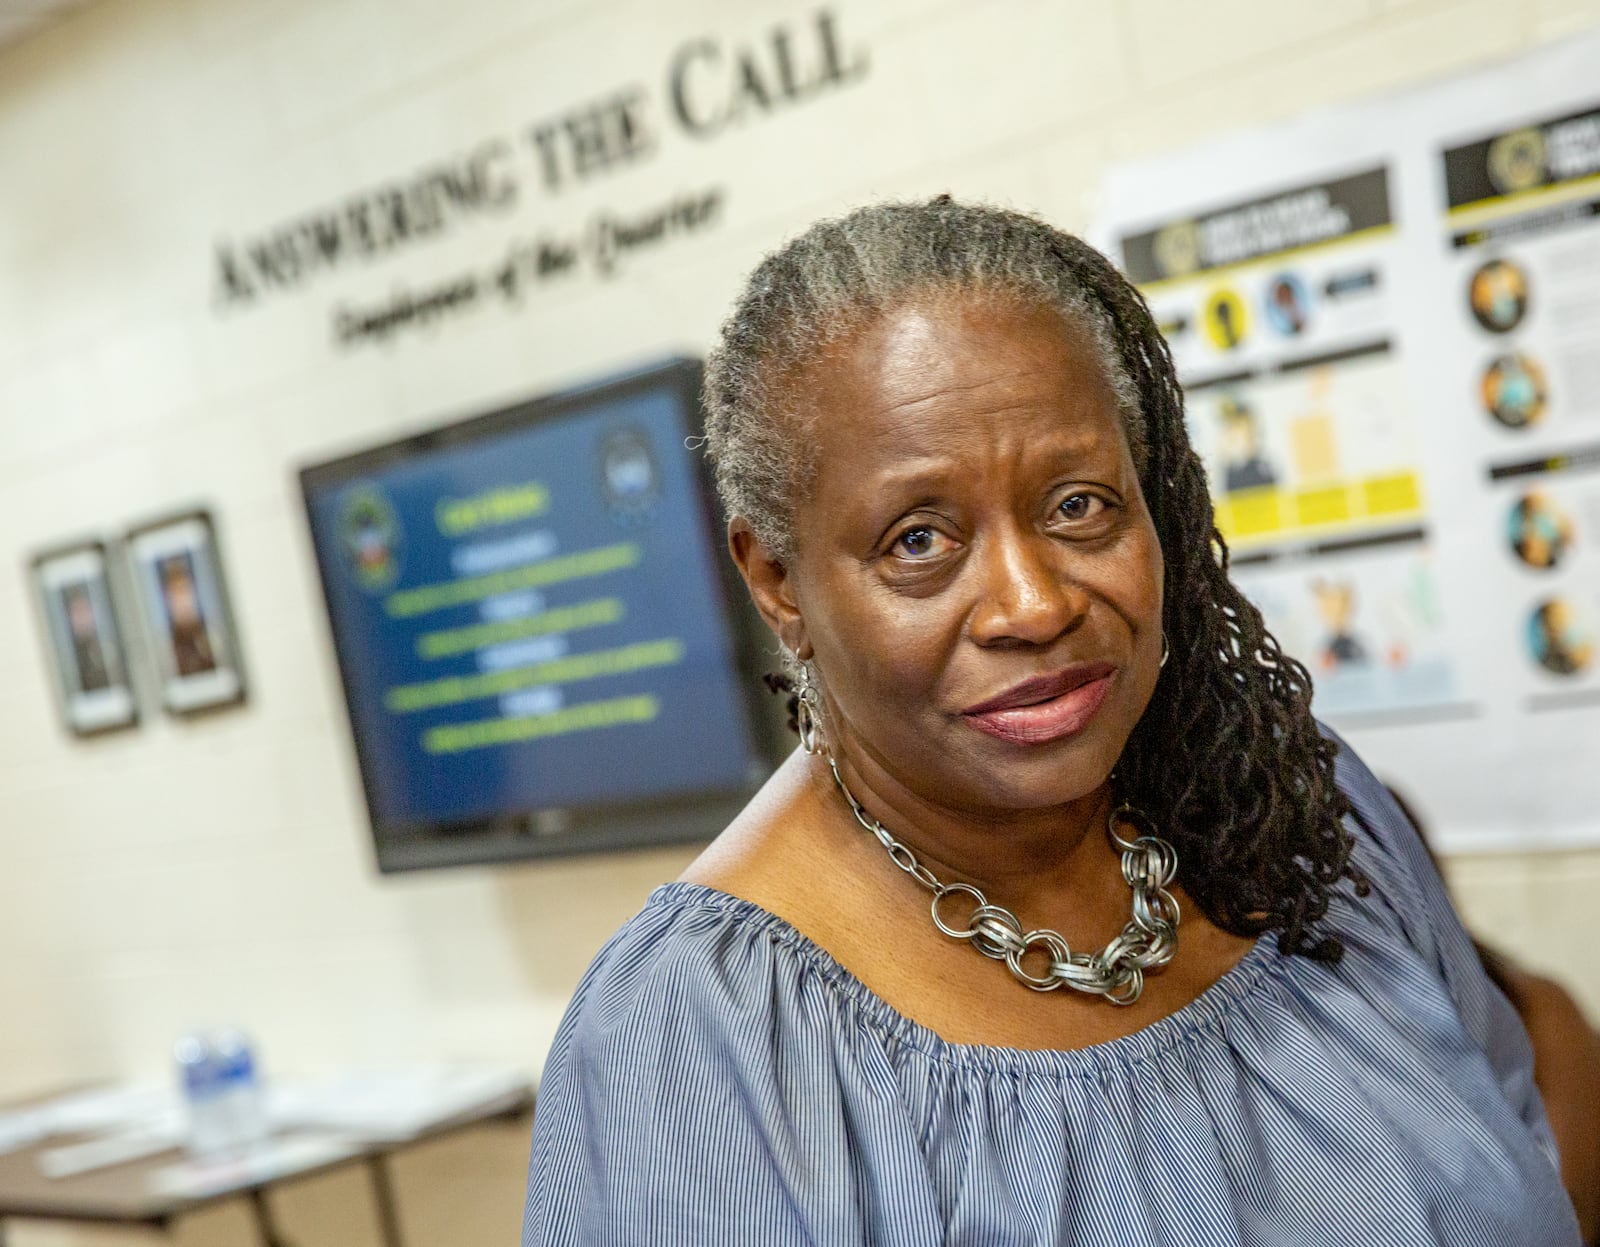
x=1026, y=594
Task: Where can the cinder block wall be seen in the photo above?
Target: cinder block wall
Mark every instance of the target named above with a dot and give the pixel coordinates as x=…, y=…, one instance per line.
x=220, y=869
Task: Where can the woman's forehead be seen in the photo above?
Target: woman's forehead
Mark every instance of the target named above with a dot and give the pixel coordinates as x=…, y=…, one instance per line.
x=950, y=367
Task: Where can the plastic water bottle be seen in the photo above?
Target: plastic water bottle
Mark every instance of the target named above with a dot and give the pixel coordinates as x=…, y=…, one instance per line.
x=204, y=1095
x=241, y=1092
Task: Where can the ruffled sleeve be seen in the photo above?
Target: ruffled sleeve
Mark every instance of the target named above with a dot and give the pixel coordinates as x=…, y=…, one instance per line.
x=694, y=1095
x=1404, y=877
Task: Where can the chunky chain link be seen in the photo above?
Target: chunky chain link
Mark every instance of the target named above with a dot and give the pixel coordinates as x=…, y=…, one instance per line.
x=1147, y=942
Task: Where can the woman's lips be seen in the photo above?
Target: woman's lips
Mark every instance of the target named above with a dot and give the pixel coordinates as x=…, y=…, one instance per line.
x=1036, y=712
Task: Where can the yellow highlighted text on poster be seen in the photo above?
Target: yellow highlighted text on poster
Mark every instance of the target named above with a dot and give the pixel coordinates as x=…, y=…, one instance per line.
x=1315, y=507
x=1399, y=494
x=1253, y=513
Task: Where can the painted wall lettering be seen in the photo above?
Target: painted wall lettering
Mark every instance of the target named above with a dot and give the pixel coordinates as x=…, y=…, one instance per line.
x=368, y=224
x=592, y=138
x=709, y=86
x=712, y=85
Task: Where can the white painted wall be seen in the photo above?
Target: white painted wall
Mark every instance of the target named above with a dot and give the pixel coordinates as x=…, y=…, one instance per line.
x=220, y=869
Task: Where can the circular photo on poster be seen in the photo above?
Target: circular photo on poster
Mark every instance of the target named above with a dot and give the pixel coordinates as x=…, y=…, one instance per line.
x=1287, y=305
x=1518, y=161
x=1498, y=294
x=1560, y=638
x=1225, y=318
x=1540, y=531
x=1178, y=248
x=1514, y=390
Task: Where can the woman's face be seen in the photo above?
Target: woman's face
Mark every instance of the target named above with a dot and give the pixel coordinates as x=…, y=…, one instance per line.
x=975, y=574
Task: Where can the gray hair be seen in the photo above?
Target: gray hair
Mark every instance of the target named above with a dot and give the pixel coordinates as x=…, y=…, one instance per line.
x=843, y=273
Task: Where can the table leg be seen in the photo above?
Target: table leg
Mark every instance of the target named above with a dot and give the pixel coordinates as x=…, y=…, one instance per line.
x=264, y=1222
x=383, y=1196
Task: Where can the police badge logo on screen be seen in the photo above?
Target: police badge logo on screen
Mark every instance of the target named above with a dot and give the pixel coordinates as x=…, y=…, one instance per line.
x=629, y=476
x=370, y=537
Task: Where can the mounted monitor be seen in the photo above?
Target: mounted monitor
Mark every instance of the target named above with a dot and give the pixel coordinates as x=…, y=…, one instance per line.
x=537, y=632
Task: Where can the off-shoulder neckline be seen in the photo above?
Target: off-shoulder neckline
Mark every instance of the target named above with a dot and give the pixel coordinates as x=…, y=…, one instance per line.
x=1201, y=1015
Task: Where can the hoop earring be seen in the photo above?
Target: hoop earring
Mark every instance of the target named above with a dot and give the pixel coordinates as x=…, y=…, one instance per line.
x=1166, y=650
x=807, y=712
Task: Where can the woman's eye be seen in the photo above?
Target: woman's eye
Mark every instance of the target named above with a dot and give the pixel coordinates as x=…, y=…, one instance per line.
x=1080, y=506
x=920, y=542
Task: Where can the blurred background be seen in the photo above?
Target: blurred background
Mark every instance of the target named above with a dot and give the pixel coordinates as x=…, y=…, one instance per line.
x=241, y=238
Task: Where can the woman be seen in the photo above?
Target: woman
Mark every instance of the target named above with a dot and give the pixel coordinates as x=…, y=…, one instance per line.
x=1038, y=724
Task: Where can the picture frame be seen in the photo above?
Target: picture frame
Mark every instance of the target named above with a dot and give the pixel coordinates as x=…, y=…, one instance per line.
x=188, y=622
x=77, y=604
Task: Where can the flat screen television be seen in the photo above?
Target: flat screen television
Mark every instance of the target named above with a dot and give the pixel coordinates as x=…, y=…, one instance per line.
x=543, y=648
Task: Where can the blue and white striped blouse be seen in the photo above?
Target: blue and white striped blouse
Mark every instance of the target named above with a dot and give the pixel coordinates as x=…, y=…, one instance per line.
x=719, y=1079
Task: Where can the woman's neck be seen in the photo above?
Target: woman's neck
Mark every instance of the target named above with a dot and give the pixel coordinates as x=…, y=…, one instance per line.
x=1053, y=858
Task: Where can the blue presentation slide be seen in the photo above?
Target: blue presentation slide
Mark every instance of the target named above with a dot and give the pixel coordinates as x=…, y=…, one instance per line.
x=533, y=620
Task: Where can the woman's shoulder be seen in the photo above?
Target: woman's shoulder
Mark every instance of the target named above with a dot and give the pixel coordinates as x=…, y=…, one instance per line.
x=1388, y=849
x=688, y=919
x=703, y=1084
x=692, y=959
x=1404, y=890
x=1409, y=899
x=1364, y=790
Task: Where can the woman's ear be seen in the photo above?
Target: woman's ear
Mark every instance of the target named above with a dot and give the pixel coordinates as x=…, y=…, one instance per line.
x=770, y=586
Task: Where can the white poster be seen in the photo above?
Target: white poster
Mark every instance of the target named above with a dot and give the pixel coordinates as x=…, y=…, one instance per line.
x=1386, y=319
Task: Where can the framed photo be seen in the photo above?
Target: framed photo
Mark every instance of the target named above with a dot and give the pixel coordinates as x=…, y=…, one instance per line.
x=80, y=620
x=177, y=577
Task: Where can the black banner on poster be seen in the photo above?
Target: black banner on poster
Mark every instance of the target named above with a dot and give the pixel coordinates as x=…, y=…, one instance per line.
x=1286, y=220
x=712, y=85
x=1545, y=154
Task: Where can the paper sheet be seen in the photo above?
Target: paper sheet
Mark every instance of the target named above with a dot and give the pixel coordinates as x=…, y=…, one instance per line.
x=1386, y=318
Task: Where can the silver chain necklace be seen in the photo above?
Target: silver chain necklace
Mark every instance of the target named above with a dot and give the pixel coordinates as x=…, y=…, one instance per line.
x=1147, y=942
